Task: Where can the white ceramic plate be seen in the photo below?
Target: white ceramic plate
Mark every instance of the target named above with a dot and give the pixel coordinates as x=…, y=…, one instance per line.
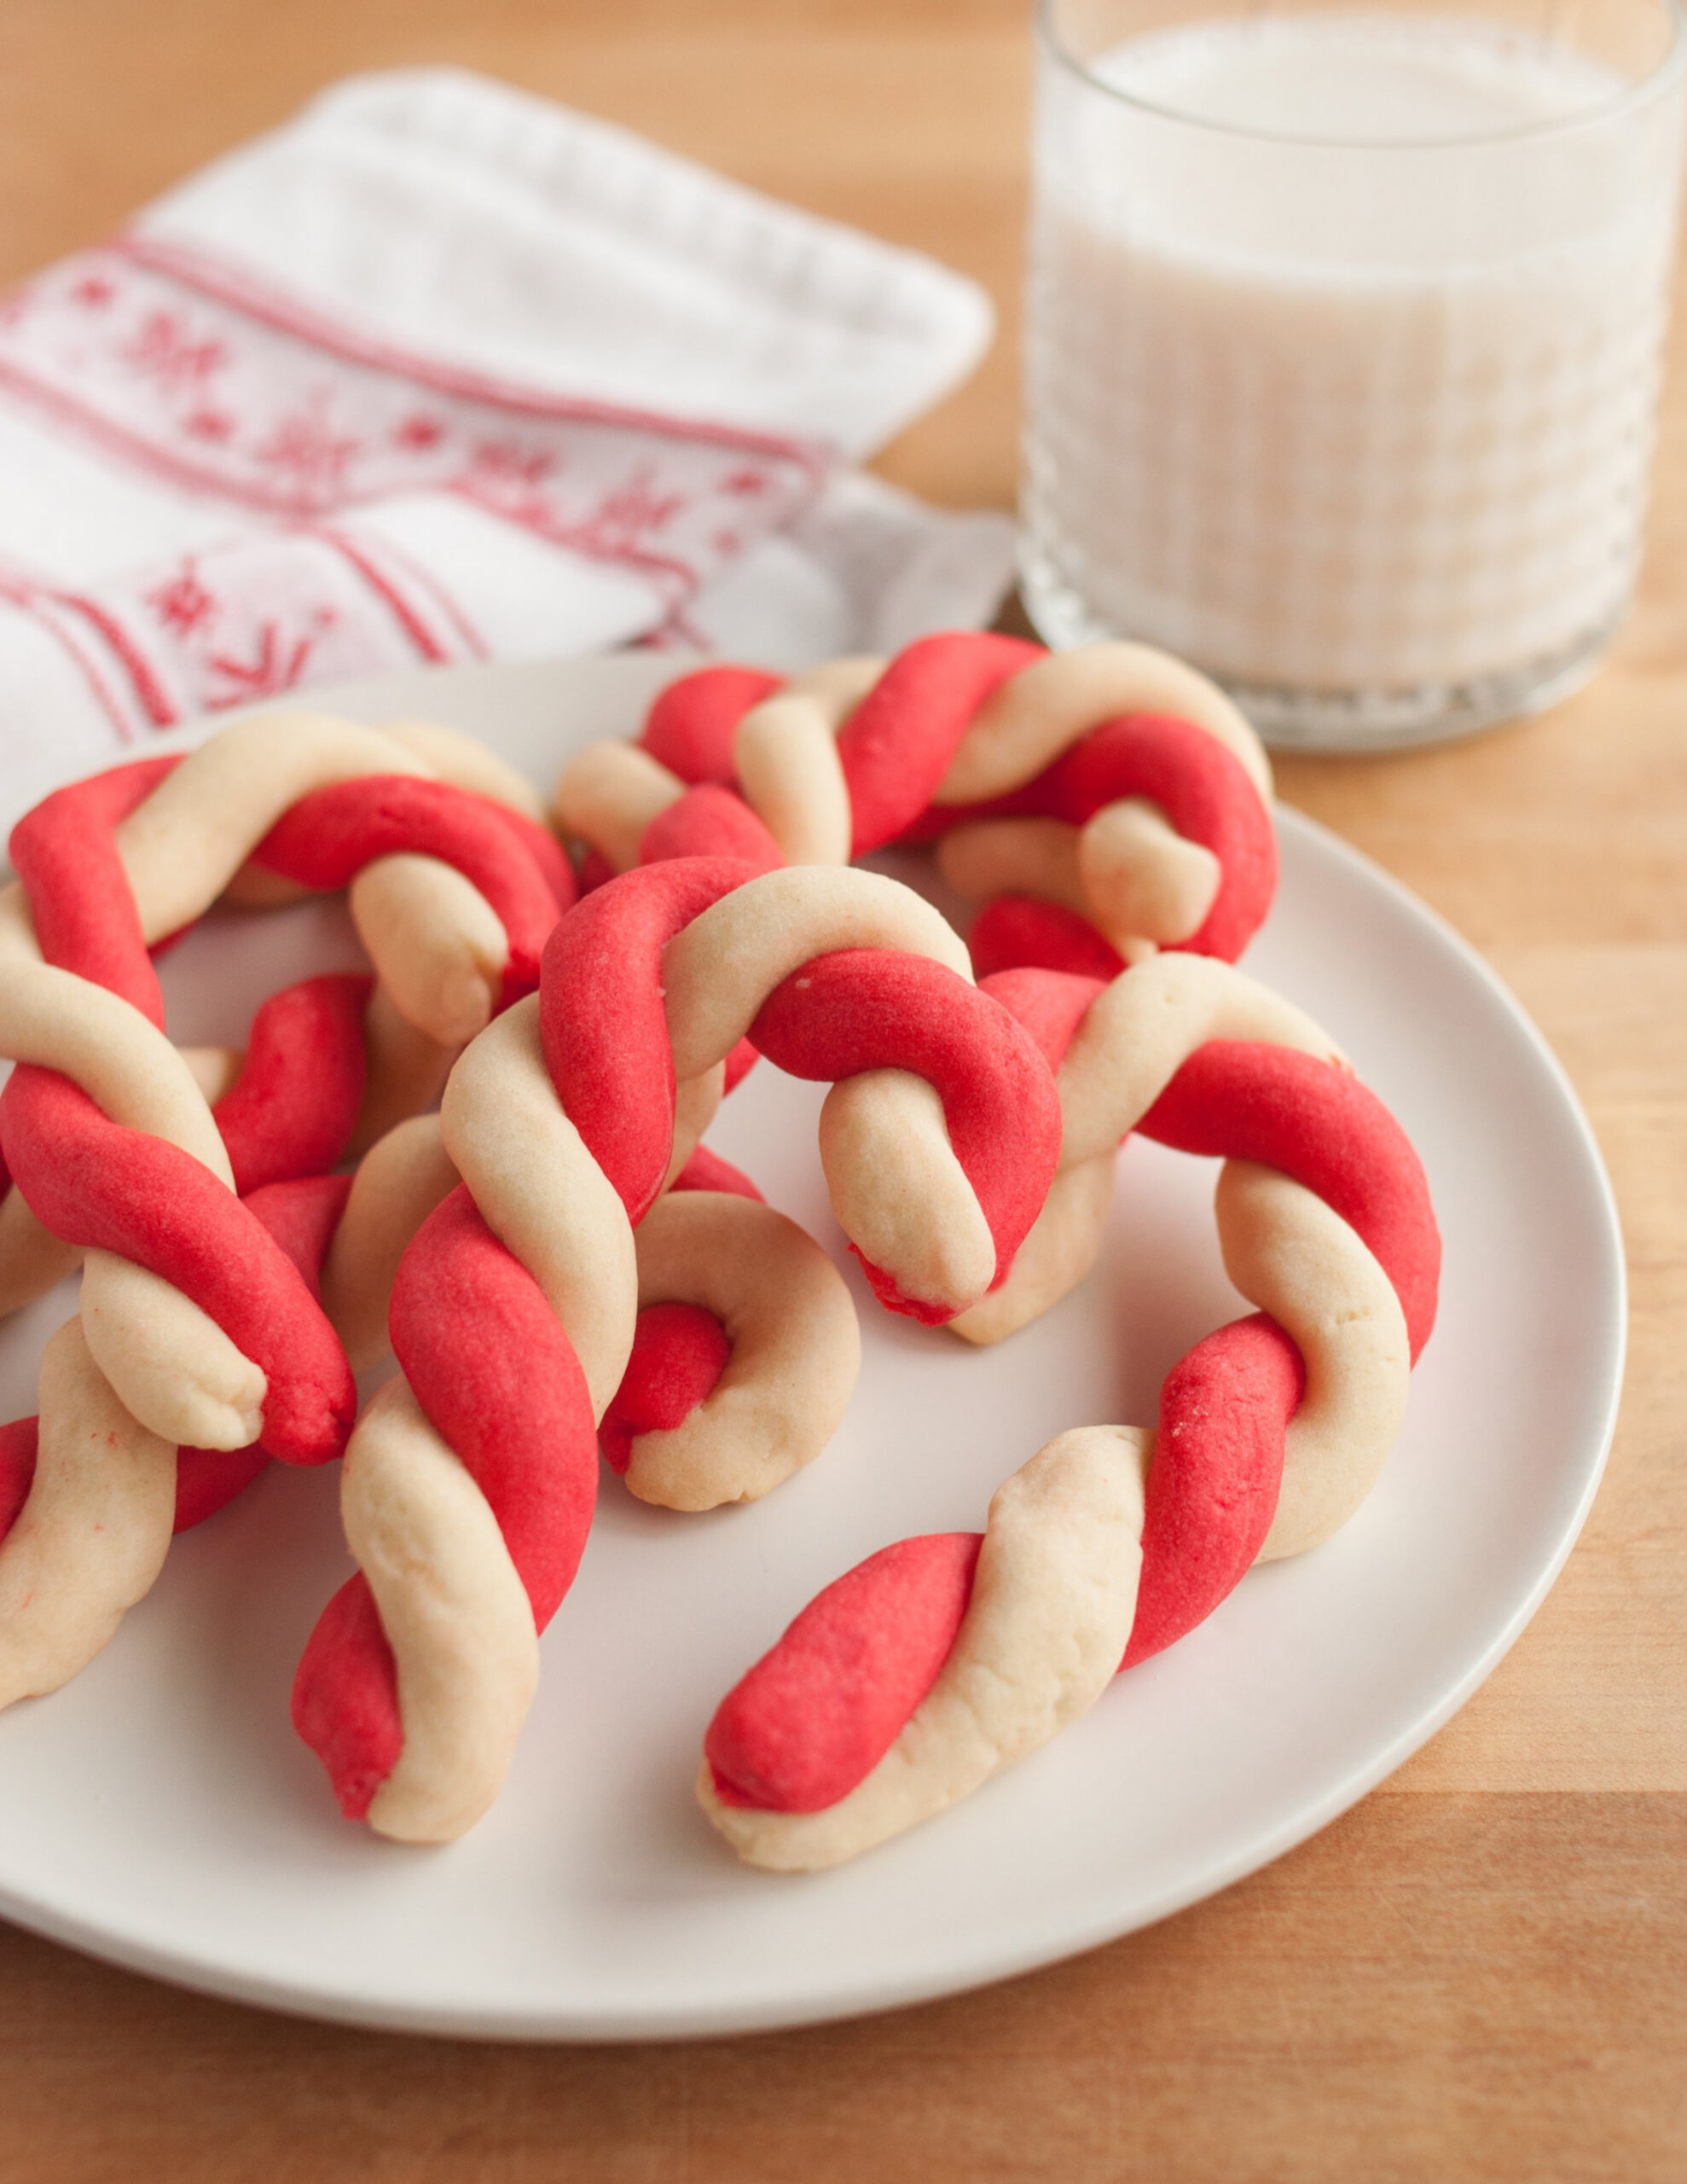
x=159, y=1811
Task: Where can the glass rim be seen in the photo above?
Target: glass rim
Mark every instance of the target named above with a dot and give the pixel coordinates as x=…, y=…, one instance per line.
x=1654, y=81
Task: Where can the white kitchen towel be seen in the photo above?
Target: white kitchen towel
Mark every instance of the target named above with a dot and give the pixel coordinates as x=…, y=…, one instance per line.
x=441, y=372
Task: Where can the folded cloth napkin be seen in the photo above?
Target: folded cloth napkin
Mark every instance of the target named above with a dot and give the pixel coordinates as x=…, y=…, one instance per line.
x=441, y=372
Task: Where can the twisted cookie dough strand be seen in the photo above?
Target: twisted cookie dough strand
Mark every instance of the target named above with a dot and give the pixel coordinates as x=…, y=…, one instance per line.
x=176, y=848
x=89, y=1498
x=84, y=1530
x=468, y=1486
x=468, y=1489
x=1271, y=1432
x=1111, y=799
x=939, y=1146
x=287, y=1106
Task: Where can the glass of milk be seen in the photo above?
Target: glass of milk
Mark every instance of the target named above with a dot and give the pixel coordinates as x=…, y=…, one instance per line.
x=1343, y=340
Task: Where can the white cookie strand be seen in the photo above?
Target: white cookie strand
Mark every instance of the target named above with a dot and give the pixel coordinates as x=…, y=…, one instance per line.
x=795, y=1349
x=93, y=1533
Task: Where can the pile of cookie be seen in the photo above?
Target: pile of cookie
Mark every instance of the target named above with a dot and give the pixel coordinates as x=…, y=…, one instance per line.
x=487, y=1156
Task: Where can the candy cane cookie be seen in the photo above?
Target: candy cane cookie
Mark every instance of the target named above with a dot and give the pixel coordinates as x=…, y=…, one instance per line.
x=1110, y=799
x=116, y=865
x=469, y=1485
x=930, y=1666
x=89, y=1497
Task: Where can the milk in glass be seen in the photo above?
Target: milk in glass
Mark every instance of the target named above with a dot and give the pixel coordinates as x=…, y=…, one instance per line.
x=1344, y=345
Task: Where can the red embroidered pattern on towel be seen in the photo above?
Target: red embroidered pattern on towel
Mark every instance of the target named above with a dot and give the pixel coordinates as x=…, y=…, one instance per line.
x=196, y=374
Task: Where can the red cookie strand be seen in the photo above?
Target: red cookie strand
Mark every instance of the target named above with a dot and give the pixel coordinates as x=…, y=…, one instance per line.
x=293, y=1108
x=1051, y=1005
x=679, y=1350
x=1218, y=1469
x=1319, y=1124
x=302, y=1217
x=499, y=1381
x=66, y=854
x=691, y=725
x=209, y=1479
x=1203, y=789
x=302, y=1213
x=705, y=1171
x=817, y=1713
x=809, y=1721
x=895, y=747
x=345, y=1697
x=740, y=1063
x=710, y=821
x=1017, y=930
x=861, y=1009
x=326, y=838
x=679, y=1354
x=17, y=1468
x=97, y=1184
x=601, y=1020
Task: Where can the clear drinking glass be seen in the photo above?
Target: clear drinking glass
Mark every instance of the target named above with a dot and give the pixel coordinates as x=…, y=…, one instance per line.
x=1343, y=340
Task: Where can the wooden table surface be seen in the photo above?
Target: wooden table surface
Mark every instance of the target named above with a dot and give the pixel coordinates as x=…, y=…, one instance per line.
x=1481, y=1971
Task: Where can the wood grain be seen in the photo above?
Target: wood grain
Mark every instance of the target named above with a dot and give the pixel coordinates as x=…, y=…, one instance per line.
x=1481, y=1972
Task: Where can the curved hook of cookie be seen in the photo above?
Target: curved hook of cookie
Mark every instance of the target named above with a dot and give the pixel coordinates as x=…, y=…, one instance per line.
x=791, y=1351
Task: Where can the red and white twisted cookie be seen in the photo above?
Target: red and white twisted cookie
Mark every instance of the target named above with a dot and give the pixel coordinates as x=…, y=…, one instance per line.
x=1145, y=791
x=1109, y=800
x=441, y=937
x=89, y=1498
x=195, y=1317
x=200, y=1326
x=469, y=1485
x=938, y=1661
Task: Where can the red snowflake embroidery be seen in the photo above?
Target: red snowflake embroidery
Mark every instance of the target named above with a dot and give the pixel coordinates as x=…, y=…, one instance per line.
x=94, y=292
x=418, y=433
x=213, y=425
x=508, y=462
x=745, y=483
x=183, y=603
x=274, y=667
x=628, y=515
x=305, y=446
x=165, y=351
